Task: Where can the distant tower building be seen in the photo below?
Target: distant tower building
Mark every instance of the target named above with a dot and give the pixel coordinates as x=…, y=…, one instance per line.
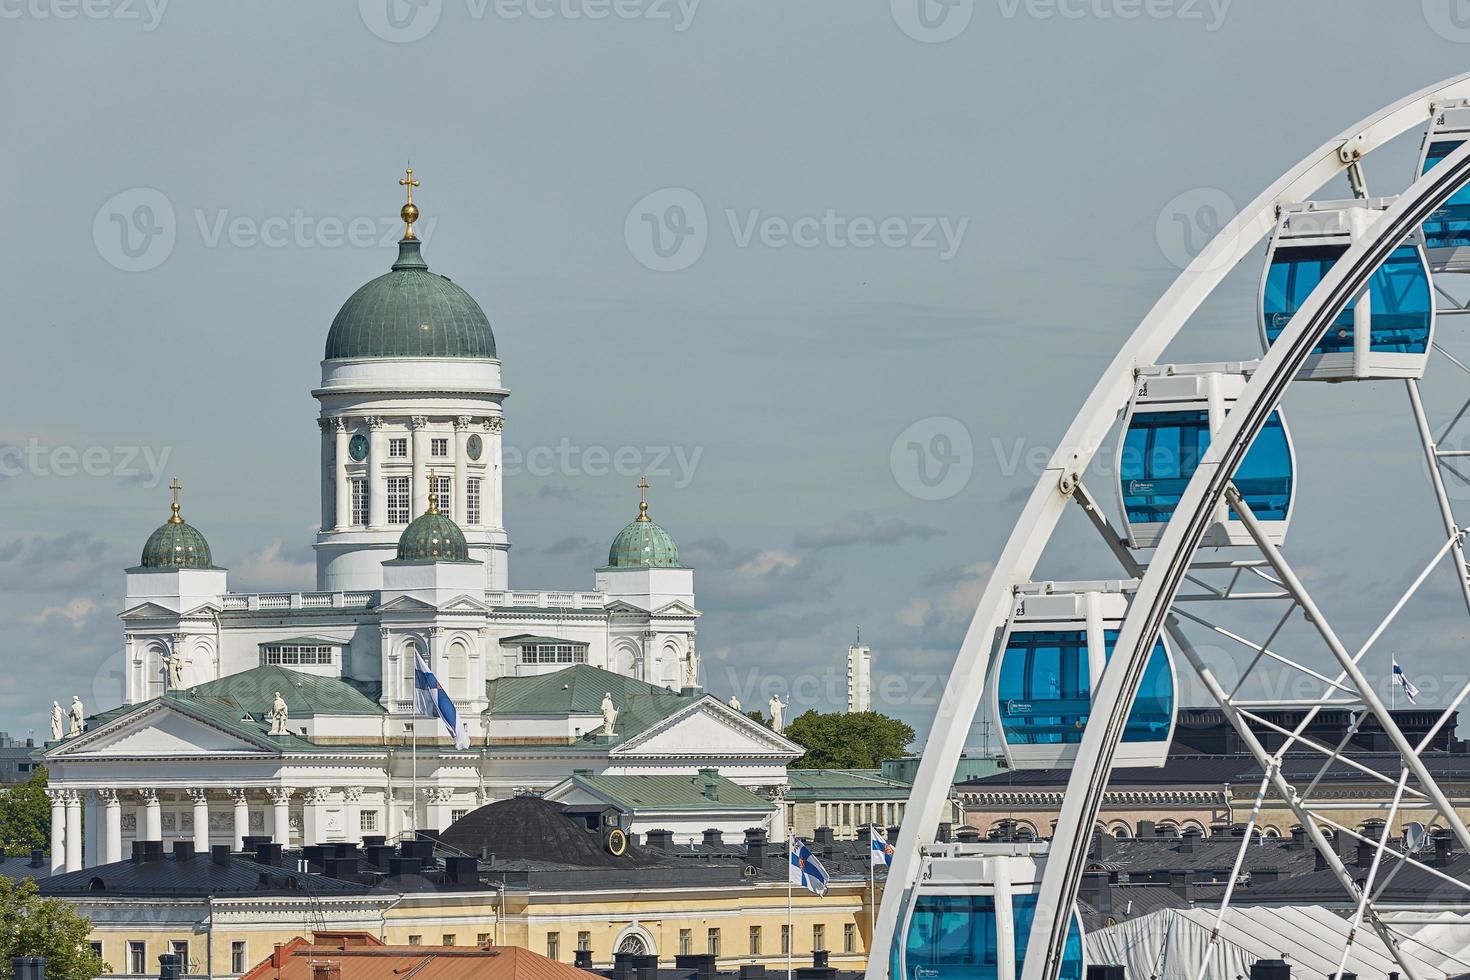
x=859, y=677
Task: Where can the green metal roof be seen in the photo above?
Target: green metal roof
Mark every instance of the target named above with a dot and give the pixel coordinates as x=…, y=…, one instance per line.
x=643, y=544
x=176, y=545
x=521, y=638
x=410, y=312
x=839, y=784
x=673, y=792
x=578, y=690
x=432, y=537
x=306, y=695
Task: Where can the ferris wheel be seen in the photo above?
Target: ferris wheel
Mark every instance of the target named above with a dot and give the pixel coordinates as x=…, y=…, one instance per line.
x=1087, y=675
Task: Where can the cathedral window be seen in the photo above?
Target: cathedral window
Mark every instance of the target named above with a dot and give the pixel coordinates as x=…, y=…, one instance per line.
x=553, y=653
x=360, y=503
x=455, y=816
x=294, y=654
x=439, y=448
x=472, y=501
x=441, y=488
x=368, y=821
x=398, y=448
x=397, y=500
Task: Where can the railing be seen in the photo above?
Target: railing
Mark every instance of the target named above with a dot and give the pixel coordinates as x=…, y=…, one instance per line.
x=548, y=600
x=268, y=601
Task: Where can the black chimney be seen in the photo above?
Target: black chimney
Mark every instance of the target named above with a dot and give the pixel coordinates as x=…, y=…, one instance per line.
x=1145, y=828
x=220, y=854
x=582, y=959
x=1095, y=891
x=170, y=966
x=703, y=964
x=714, y=838
x=1181, y=882
x=1298, y=838
x=645, y=967
x=1104, y=845
x=661, y=839
x=1270, y=970
x=822, y=839
x=755, y=847
x=29, y=967
x=1444, y=848
x=183, y=850
x=622, y=966
x=1105, y=973
x=943, y=836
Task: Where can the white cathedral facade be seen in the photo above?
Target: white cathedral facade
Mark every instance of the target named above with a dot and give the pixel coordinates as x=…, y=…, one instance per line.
x=412, y=560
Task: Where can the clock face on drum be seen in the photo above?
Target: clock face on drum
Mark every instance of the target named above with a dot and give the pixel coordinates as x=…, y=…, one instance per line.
x=474, y=445
x=357, y=448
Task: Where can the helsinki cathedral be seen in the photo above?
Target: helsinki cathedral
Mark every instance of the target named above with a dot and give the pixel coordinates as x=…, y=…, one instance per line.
x=291, y=715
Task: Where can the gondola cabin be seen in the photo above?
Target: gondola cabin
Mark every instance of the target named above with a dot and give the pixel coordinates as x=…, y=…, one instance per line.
x=1447, y=231
x=971, y=913
x=1383, y=333
x=1174, y=412
x=1057, y=641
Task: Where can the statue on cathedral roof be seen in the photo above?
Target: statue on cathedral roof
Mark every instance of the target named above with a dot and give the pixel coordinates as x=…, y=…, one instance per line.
x=174, y=664
x=57, y=721
x=278, y=716
x=778, y=713
x=609, y=714
x=78, y=717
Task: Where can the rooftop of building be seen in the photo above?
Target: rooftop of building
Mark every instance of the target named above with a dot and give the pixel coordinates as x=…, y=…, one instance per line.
x=360, y=956
x=839, y=784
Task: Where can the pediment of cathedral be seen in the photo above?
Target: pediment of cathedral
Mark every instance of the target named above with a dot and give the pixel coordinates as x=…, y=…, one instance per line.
x=162, y=728
x=709, y=728
x=152, y=610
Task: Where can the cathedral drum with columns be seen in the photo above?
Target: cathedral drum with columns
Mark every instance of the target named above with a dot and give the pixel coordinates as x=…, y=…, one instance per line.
x=292, y=715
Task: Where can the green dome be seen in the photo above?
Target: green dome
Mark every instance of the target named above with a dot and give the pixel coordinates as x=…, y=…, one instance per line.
x=643, y=544
x=433, y=537
x=410, y=312
x=177, y=545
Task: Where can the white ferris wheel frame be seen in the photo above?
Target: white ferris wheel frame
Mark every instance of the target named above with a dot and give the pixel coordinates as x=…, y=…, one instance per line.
x=1061, y=481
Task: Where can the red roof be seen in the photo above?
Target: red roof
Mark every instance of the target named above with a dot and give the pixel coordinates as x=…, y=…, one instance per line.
x=360, y=956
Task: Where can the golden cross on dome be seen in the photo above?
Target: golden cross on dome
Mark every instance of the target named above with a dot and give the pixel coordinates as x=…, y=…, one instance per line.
x=410, y=212
x=175, y=487
x=433, y=492
x=643, y=498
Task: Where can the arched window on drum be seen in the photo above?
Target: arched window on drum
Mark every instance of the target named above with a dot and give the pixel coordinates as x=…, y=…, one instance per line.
x=1175, y=411
x=1388, y=336
x=1447, y=230
x=971, y=915
x=1058, y=640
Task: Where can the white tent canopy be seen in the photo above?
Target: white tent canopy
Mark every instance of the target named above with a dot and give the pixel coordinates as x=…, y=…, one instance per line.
x=1170, y=944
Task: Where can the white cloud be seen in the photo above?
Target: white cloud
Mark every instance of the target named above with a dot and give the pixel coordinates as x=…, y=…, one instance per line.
x=75, y=611
x=269, y=570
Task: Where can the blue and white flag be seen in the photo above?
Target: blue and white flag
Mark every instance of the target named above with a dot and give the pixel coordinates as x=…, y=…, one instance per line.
x=1402, y=680
x=431, y=700
x=806, y=870
x=881, y=851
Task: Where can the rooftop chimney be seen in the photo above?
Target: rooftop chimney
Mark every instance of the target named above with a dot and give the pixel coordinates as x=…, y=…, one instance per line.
x=1181, y=882
x=1270, y=970
x=646, y=967
x=1298, y=838
x=183, y=850
x=1145, y=828
x=711, y=779
x=582, y=959
x=170, y=966
x=326, y=970
x=29, y=967
x=1104, y=845
x=703, y=964
x=944, y=836
x=1096, y=891
x=822, y=839
x=755, y=847
x=661, y=839
x=622, y=966
x=1188, y=841
x=220, y=854
x=713, y=837
x=1105, y=973
x=1444, y=848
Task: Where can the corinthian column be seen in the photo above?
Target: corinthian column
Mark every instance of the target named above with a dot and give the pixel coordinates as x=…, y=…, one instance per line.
x=344, y=489
x=111, y=826
x=200, y=798
x=73, y=831
x=281, y=810
x=242, y=817
x=58, y=829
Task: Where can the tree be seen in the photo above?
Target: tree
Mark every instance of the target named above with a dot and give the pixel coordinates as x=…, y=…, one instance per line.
x=848, y=741
x=25, y=816
x=34, y=926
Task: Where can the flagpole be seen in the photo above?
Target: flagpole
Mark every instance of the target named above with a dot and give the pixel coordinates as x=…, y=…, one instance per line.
x=872, y=895
x=790, y=931
x=414, y=803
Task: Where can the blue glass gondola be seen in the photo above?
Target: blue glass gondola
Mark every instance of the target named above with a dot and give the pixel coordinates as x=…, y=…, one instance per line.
x=971, y=914
x=1447, y=232
x=1386, y=335
x=1058, y=639
x=1175, y=411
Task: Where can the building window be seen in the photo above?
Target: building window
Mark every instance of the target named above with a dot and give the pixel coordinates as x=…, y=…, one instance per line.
x=824, y=813
x=849, y=937
x=819, y=936
x=359, y=489
x=440, y=485
x=785, y=940
x=398, y=448
x=755, y=940
x=472, y=501
x=292, y=654
x=137, y=957
x=553, y=945
x=448, y=939
x=846, y=814
x=553, y=653
x=397, y=500
x=439, y=447
x=686, y=942
x=455, y=816
x=714, y=943
x=367, y=821
x=415, y=940
x=482, y=939
x=238, y=963
x=584, y=941
x=96, y=949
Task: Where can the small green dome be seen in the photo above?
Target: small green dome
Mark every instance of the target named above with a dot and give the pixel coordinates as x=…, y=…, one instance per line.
x=410, y=312
x=176, y=544
x=643, y=544
x=433, y=537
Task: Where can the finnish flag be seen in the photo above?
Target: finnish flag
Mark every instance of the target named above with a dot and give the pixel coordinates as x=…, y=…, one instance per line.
x=1402, y=680
x=432, y=701
x=881, y=851
x=806, y=870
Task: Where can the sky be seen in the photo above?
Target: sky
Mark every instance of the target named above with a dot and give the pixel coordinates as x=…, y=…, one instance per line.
x=832, y=273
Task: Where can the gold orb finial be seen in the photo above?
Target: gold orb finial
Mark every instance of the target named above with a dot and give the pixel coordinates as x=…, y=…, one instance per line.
x=174, y=517
x=410, y=212
x=643, y=499
x=433, y=494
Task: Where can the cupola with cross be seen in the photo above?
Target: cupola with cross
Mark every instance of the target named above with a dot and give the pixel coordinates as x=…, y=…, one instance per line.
x=410, y=380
